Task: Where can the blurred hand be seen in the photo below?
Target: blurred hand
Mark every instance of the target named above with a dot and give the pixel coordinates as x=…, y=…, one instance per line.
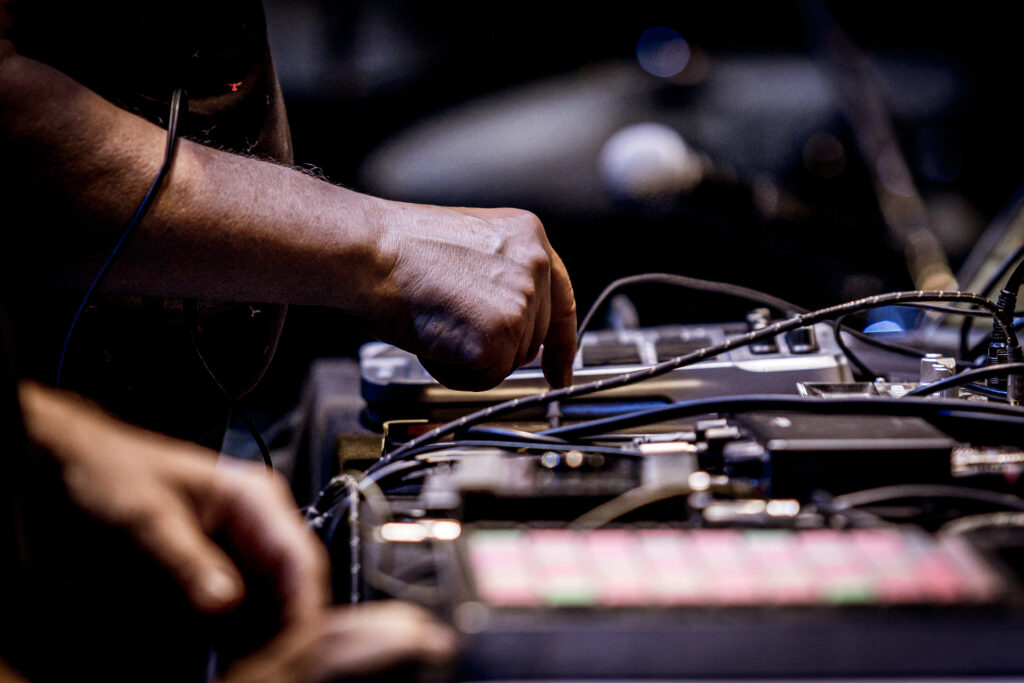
x=474, y=293
x=349, y=642
x=170, y=499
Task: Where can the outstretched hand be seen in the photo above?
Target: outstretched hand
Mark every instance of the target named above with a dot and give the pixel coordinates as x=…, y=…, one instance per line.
x=475, y=293
x=226, y=534
x=170, y=499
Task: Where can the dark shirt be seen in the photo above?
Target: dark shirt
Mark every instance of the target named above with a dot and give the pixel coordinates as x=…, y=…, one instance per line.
x=135, y=54
x=136, y=356
x=79, y=611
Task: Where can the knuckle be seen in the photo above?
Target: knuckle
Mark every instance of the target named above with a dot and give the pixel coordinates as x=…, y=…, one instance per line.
x=539, y=264
x=528, y=294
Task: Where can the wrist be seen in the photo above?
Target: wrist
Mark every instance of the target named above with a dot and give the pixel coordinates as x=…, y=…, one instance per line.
x=372, y=244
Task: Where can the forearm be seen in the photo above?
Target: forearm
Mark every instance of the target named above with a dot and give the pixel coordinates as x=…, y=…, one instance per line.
x=224, y=227
x=474, y=292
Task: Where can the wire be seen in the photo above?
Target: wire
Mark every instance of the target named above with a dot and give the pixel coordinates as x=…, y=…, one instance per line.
x=518, y=435
x=623, y=504
x=971, y=523
x=234, y=406
x=769, y=300
x=178, y=102
x=982, y=390
x=952, y=310
x=624, y=379
x=968, y=377
x=178, y=106
x=979, y=348
x=865, y=371
x=354, y=538
x=377, y=502
x=781, y=305
x=837, y=329
x=256, y=436
x=884, y=494
x=874, y=405
x=1007, y=302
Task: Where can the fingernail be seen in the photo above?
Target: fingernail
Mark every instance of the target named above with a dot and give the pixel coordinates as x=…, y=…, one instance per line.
x=217, y=589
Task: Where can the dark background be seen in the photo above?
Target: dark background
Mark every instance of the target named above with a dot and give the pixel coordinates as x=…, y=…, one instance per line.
x=360, y=75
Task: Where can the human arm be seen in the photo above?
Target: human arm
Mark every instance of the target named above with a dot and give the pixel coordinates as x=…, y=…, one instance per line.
x=474, y=292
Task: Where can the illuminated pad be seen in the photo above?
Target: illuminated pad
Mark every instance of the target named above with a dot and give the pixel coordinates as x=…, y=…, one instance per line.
x=725, y=567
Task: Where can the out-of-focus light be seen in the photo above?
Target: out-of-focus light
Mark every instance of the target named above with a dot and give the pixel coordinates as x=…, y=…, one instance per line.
x=662, y=51
x=733, y=510
x=550, y=459
x=893, y=173
x=667, y=447
x=648, y=161
x=782, y=508
x=883, y=327
x=699, y=481
x=416, y=532
x=400, y=532
x=574, y=458
x=890, y=319
x=445, y=529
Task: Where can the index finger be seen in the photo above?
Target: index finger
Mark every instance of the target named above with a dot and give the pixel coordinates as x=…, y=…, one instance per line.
x=560, y=342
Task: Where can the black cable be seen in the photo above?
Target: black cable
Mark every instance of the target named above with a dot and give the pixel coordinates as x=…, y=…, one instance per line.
x=780, y=305
x=498, y=433
x=377, y=475
x=738, y=291
x=874, y=405
x=1007, y=298
x=837, y=331
x=233, y=404
x=900, y=491
x=952, y=310
x=969, y=376
x=178, y=102
x=979, y=348
x=865, y=371
x=178, y=107
x=234, y=401
x=879, y=344
x=624, y=379
x=256, y=436
x=987, y=392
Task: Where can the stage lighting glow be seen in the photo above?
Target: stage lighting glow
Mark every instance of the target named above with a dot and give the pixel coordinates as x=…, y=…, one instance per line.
x=884, y=327
x=648, y=161
x=662, y=51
